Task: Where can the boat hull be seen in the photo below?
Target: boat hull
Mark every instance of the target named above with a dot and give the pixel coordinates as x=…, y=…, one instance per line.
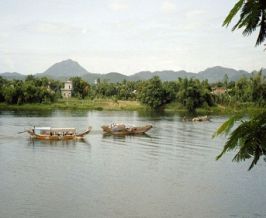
x=58, y=136
x=126, y=131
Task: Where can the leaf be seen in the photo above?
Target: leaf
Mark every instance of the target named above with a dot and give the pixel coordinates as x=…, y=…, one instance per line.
x=233, y=12
x=262, y=33
x=249, y=139
x=226, y=126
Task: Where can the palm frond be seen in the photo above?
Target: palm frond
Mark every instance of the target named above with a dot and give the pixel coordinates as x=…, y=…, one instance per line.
x=252, y=16
x=249, y=138
x=249, y=17
x=233, y=12
x=233, y=140
x=226, y=126
x=262, y=33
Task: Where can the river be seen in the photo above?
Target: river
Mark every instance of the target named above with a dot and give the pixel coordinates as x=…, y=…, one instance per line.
x=170, y=172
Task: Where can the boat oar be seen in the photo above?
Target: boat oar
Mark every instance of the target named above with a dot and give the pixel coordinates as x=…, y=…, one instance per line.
x=22, y=131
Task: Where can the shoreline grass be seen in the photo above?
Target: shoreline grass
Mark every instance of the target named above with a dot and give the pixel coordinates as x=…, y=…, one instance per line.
x=77, y=104
x=118, y=105
x=238, y=108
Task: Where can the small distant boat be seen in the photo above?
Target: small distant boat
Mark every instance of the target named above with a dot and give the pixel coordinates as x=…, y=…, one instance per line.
x=201, y=118
x=49, y=133
x=122, y=129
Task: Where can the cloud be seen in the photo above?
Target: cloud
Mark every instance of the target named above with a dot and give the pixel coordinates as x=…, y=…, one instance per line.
x=195, y=19
x=195, y=13
x=168, y=7
x=119, y=5
x=51, y=28
x=7, y=63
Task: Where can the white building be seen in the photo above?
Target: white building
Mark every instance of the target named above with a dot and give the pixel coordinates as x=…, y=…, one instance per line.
x=67, y=90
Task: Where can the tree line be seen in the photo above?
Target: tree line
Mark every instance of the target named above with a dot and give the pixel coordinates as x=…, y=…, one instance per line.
x=191, y=93
x=32, y=90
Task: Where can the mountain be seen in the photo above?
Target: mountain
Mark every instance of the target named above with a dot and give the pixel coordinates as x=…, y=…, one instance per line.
x=64, y=70
x=114, y=77
x=14, y=75
x=169, y=75
x=212, y=74
x=68, y=68
x=109, y=77
x=165, y=75
x=218, y=73
x=143, y=75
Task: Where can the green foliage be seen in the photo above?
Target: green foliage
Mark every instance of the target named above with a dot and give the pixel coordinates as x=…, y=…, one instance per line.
x=227, y=126
x=245, y=90
x=249, y=138
x=187, y=93
x=252, y=15
x=193, y=94
x=171, y=90
x=80, y=87
x=32, y=90
x=258, y=88
x=127, y=90
x=2, y=84
x=152, y=93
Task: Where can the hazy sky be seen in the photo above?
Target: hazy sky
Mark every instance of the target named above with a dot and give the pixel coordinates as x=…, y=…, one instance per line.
x=125, y=36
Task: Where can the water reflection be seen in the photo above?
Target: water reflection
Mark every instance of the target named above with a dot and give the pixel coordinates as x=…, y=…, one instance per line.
x=58, y=143
x=109, y=135
x=169, y=172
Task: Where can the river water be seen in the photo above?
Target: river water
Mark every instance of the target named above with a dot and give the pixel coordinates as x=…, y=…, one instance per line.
x=170, y=172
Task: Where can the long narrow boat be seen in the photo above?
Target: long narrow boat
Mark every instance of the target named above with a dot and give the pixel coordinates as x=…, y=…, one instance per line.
x=122, y=129
x=49, y=133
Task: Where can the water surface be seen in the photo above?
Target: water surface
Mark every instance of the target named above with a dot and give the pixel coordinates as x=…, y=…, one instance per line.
x=170, y=172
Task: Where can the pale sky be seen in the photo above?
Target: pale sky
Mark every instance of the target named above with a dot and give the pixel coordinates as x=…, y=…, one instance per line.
x=125, y=36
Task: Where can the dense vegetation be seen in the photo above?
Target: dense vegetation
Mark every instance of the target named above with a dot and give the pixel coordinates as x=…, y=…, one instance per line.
x=32, y=90
x=248, y=139
x=245, y=90
x=190, y=93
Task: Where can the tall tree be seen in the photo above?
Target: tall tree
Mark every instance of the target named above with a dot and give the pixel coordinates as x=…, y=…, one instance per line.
x=152, y=93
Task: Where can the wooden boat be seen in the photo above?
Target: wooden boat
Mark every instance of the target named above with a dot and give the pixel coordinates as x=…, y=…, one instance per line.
x=201, y=118
x=49, y=133
x=122, y=129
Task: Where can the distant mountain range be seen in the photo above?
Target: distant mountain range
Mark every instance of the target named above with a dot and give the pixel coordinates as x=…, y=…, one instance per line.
x=64, y=70
x=13, y=75
x=69, y=68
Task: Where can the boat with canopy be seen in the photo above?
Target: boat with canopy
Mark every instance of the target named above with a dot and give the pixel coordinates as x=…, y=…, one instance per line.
x=49, y=133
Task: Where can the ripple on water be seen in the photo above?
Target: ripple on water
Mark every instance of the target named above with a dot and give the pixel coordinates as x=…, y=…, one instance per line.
x=170, y=171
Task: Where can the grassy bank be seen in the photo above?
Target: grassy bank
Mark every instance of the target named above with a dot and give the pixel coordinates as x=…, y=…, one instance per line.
x=219, y=109
x=77, y=104
x=109, y=104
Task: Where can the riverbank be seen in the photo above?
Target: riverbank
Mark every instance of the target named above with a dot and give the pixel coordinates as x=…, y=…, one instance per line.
x=77, y=104
x=248, y=108
x=117, y=105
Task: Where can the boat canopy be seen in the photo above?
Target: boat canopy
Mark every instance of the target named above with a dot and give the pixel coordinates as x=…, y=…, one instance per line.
x=50, y=129
x=63, y=129
x=42, y=128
